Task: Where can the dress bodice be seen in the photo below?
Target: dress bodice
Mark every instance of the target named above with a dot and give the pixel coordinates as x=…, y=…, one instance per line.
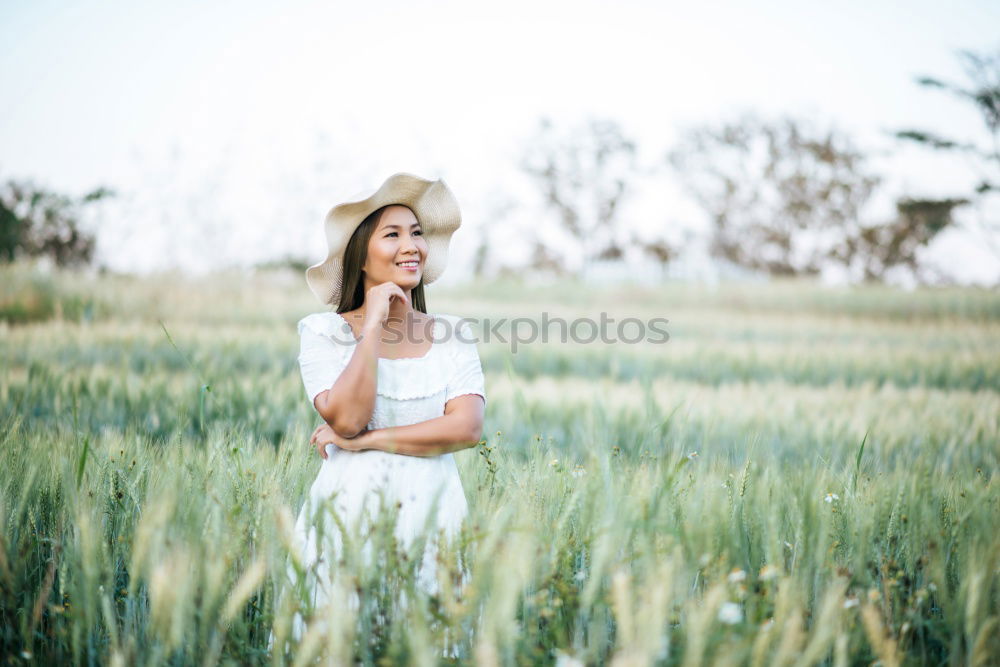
x=408, y=389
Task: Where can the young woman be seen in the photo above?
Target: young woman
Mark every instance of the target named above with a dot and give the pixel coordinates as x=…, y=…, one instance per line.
x=398, y=389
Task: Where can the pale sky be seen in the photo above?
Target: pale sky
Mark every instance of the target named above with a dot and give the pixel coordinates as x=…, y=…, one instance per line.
x=231, y=128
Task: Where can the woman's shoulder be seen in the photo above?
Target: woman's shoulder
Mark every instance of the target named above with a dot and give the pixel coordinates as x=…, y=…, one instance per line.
x=324, y=323
x=454, y=323
x=457, y=331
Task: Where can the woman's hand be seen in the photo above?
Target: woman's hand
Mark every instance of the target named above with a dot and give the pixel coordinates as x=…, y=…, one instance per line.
x=324, y=435
x=377, y=301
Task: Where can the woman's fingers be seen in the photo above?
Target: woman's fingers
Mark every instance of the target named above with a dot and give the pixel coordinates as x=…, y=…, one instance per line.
x=400, y=293
x=314, y=441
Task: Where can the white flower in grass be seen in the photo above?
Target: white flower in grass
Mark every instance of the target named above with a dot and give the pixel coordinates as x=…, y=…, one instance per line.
x=567, y=660
x=851, y=602
x=830, y=497
x=580, y=576
x=554, y=462
x=730, y=613
x=769, y=572
x=736, y=576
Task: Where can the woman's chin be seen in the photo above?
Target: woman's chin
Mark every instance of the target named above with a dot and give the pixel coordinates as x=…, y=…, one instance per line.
x=408, y=281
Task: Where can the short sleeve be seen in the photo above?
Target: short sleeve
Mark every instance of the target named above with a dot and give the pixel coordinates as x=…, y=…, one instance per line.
x=321, y=358
x=467, y=377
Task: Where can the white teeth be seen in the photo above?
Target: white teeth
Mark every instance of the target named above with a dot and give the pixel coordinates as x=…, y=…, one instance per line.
x=408, y=264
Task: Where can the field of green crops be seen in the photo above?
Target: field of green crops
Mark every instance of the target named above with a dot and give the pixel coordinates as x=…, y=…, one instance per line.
x=800, y=476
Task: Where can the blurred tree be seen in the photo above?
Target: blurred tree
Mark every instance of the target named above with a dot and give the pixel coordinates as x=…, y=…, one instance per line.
x=774, y=191
x=659, y=250
x=290, y=262
x=542, y=259
x=787, y=200
x=882, y=247
x=485, y=258
x=983, y=92
x=36, y=222
x=584, y=176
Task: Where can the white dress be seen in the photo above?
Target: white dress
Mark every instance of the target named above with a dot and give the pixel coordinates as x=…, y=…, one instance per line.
x=409, y=390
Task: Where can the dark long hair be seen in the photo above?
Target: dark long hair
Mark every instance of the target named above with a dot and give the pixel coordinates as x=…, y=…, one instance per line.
x=352, y=296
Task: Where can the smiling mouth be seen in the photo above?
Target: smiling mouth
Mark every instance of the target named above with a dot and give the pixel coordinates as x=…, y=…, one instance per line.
x=409, y=264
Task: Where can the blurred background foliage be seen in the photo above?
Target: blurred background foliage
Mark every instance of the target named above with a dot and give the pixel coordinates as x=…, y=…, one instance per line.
x=783, y=197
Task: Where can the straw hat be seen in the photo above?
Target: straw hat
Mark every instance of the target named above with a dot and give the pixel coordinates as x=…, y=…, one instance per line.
x=431, y=201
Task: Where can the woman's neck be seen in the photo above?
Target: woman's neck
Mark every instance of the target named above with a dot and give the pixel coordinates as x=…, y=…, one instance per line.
x=399, y=311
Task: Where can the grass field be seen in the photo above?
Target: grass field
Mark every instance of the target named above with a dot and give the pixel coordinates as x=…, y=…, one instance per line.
x=800, y=476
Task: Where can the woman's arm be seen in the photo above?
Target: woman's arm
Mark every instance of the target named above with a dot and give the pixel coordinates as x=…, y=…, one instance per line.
x=460, y=427
x=347, y=406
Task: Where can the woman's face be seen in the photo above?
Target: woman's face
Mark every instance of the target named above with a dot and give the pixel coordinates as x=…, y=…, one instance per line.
x=397, y=250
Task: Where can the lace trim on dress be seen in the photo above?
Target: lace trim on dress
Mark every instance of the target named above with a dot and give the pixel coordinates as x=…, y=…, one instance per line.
x=403, y=379
x=323, y=324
